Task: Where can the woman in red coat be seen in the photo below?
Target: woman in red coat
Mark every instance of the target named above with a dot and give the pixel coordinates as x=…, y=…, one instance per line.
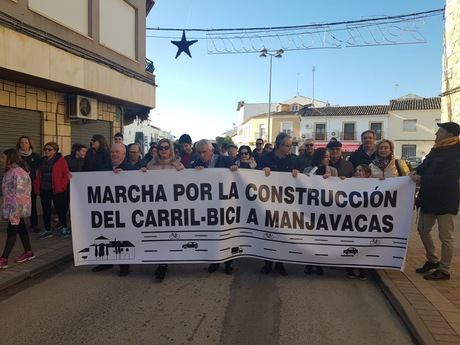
x=51, y=183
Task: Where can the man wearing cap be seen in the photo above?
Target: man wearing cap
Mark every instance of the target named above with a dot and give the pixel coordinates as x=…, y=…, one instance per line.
x=344, y=167
x=438, y=198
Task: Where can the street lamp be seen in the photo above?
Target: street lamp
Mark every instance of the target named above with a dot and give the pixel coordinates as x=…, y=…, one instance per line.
x=278, y=54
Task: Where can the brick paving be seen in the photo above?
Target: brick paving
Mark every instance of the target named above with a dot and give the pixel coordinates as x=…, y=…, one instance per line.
x=432, y=307
x=48, y=252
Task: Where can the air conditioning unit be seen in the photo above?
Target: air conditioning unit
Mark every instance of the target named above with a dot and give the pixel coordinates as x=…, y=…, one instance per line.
x=334, y=134
x=303, y=136
x=307, y=125
x=82, y=107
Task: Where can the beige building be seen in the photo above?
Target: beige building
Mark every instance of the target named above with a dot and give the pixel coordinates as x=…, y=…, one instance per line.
x=451, y=63
x=412, y=124
x=283, y=118
x=71, y=69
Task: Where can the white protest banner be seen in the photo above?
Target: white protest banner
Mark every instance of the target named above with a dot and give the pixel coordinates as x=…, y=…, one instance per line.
x=214, y=215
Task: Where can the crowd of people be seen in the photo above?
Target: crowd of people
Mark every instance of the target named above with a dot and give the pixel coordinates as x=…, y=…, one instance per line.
x=28, y=175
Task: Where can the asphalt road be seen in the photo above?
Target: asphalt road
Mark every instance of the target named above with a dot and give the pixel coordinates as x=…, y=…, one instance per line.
x=76, y=306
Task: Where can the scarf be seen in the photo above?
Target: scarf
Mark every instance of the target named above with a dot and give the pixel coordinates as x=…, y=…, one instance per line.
x=25, y=154
x=447, y=142
x=381, y=163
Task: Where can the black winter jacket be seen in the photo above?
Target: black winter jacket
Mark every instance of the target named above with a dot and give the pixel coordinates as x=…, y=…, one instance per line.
x=361, y=157
x=440, y=174
x=97, y=161
x=272, y=161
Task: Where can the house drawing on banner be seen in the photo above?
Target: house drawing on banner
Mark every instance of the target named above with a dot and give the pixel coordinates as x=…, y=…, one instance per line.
x=104, y=249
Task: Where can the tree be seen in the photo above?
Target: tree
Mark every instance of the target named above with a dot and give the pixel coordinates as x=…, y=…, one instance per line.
x=221, y=140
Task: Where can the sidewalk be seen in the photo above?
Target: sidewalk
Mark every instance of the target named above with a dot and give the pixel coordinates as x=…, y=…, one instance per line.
x=49, y=252
x=431, y=309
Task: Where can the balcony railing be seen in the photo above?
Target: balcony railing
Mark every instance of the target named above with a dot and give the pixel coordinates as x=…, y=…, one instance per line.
x=339, y=135
x=149, y=66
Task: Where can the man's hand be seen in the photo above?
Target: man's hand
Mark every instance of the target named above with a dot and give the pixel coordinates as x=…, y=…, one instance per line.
x=295, y=172
x=199, y=167
x=233, y=168
x=415, y=177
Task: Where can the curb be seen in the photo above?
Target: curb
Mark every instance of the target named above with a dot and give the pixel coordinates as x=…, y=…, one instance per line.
x=408, y=314
x=24, y=275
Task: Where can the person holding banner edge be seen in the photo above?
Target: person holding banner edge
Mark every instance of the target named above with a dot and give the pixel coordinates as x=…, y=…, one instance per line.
x=438, y=199
x=280, y=159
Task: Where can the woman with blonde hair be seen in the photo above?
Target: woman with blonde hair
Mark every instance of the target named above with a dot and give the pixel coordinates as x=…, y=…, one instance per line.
x=385, y=164
x=166, y=159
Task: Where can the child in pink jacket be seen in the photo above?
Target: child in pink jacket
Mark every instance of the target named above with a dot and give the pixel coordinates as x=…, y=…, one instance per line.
x=16, y=188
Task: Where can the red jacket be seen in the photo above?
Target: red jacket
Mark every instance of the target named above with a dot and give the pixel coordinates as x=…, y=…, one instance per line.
x=59, y=176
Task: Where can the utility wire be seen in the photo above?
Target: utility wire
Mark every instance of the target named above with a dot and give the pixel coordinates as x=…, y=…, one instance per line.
x=402, y=17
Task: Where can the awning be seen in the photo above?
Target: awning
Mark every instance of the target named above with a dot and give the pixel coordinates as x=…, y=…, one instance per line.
x=346, y=147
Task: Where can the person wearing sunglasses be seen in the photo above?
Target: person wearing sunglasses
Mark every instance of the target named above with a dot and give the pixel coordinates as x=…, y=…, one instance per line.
x=307, y=155
x=98, y=156
x=259, y=151
x=51, y=183
x=245, y=159
x=166, y=159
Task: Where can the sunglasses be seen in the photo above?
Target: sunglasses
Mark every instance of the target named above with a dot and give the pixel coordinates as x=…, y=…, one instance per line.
x=309, y=145
x=258, y=144
x=244, y=153
x=163, y=148
x=93, y=140
x=49, y=149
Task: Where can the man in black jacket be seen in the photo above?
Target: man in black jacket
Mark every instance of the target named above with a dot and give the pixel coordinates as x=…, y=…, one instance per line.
x=365, y=153
x=438, y=198
x=280, y=159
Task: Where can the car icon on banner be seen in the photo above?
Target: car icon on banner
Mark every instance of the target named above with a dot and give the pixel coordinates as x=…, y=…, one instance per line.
x=190, y=245
x=350, y=251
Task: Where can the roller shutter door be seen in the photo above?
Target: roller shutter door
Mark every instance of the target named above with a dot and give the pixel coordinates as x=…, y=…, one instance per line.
x=82, y=132
x=17, y=122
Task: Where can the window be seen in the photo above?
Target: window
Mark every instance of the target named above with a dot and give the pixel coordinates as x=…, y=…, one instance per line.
x=349, y=131
x=410, y=125
x=118, y=26
x=261, y=131
x=294, y=107
x=320, y=131
x=377, y=128
x=408, y=151
x=286, y=127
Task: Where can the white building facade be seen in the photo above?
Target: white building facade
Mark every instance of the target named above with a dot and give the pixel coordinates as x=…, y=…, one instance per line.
x=343, y=123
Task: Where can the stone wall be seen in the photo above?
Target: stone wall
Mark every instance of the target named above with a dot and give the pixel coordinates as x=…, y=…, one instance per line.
x=450, y=102
x=56, y=127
